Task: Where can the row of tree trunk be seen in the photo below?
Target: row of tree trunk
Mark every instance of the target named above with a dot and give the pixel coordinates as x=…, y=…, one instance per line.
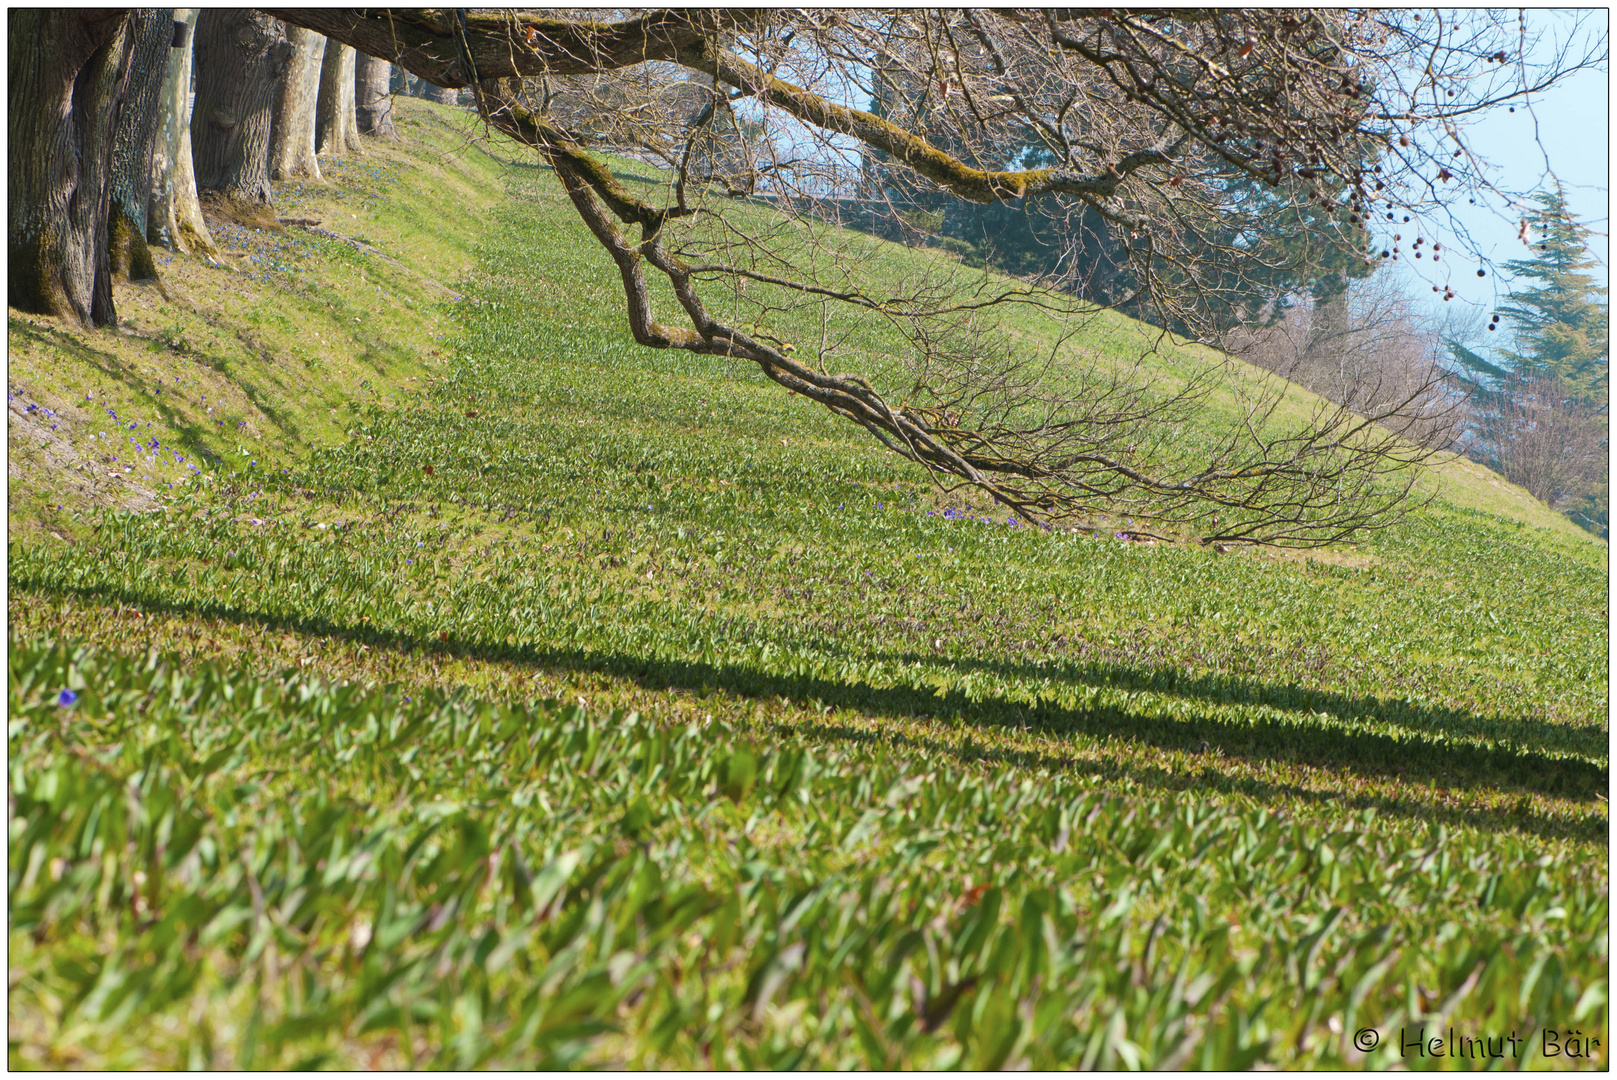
x=108, y=152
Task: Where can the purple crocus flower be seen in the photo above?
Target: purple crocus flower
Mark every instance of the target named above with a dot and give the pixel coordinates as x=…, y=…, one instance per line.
x=66, y=698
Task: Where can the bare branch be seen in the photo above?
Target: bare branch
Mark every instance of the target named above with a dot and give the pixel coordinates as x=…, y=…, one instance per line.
x=1215, y=172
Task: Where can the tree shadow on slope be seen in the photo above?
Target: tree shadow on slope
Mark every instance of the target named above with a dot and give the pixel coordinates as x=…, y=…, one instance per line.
x=1408, y=756
x=1419, y=724
x=1205, y=779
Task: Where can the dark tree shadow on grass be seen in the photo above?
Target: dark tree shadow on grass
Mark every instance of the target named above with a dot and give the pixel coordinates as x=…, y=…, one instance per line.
x=1410, y=757
x=1206, y=779
x=1420, y=724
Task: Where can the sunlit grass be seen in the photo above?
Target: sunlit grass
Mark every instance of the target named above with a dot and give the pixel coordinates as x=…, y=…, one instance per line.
x=1205, y=780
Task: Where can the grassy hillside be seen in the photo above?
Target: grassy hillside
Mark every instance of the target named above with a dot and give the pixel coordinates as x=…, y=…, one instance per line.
x=756, y=750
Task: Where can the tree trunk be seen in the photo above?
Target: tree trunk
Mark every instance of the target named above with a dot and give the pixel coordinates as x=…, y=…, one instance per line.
x=68, y=70
x=175, y=219
x=337, y=132
x=292, y=135
x=439, y=95
x=373, y=97
x=151, y=37
x=240, y=56
x=426, y=91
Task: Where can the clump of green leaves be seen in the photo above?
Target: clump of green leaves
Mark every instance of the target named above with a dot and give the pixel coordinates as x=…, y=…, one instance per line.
x=469, y=884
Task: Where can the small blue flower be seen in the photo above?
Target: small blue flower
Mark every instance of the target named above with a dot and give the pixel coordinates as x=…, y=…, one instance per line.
x=66, y=698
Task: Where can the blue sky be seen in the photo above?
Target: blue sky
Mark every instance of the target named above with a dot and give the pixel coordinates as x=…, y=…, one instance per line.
x=1559, y=135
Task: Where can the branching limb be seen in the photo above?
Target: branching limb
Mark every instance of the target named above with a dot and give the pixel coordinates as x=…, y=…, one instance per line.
x=1209, y=166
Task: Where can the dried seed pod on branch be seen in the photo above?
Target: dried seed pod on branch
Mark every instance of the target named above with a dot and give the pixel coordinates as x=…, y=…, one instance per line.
x=1197, y=169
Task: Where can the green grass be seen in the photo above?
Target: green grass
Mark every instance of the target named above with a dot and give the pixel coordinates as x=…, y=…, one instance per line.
x=1381, y=771
x=535, y=886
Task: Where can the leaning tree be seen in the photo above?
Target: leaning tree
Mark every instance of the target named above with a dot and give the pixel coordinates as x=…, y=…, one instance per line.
x=1182, y=130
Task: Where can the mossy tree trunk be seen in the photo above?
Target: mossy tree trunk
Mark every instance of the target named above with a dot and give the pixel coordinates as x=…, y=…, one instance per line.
x=373, y=97
x=68, y=73
x=292, y=151
x=151, y=37
x=175, y=218
x=337, y=133
x=241, y=55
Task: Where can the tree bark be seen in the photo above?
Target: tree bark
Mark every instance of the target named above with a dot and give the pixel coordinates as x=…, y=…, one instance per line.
x=373, y=97
x=292, y=134
x=240, y=56
x=337, y=132
x=439, y=95
x=175, y=218
x=67, y=76
x=151, y=37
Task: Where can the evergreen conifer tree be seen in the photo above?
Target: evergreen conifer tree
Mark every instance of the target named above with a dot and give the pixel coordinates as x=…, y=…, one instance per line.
x=1560, y=320
x=1552, y=375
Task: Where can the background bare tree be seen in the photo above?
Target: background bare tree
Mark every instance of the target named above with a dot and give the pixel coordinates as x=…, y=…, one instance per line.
x=1543, y=436
x=438, y=95
x=1363, y=346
